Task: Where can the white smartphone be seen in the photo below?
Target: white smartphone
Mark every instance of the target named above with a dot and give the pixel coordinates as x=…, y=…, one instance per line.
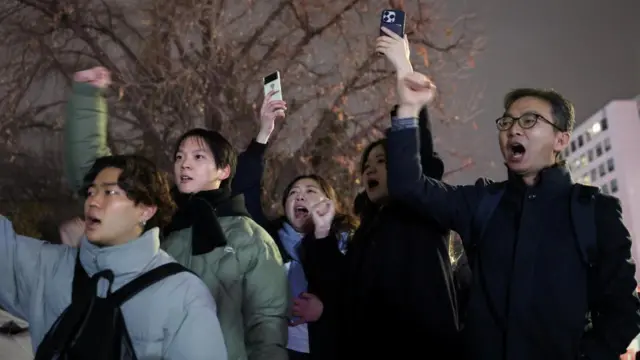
x=272, y=82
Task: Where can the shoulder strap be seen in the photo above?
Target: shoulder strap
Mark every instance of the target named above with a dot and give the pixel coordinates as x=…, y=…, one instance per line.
x=145, y=280
x=583, y=218
x=486, y=207
x=80, y=279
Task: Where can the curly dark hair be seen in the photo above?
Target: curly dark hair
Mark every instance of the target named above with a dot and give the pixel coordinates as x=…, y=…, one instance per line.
x=143, y=183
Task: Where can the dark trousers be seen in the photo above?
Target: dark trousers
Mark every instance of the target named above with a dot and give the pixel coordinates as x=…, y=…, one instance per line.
x=294, y=355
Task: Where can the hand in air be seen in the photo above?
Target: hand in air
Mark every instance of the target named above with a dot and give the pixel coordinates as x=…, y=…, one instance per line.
x=98, y=76
x=308, y=308
x=269, y=112
x=71, y=232
x=397, y=50
x=416, y=90
x=322, y=215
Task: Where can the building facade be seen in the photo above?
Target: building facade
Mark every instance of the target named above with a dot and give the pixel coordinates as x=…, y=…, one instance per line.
x=605, y=152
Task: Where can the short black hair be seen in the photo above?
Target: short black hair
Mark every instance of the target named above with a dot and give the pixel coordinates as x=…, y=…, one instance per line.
x=561, y=108
x=143, y=183
x=223, y=152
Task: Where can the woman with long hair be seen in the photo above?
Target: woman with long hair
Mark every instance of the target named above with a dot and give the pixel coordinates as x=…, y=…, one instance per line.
x=312, y=281
x=397, y=297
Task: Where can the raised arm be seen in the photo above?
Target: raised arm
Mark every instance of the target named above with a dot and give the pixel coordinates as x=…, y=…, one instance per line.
x=432, y=164
x=85, y=129
x=266, y=299
x=248, y=180
x=614, y=311
x=250, y=168
x=452, y=207
x=21, y=263
x=413, y=167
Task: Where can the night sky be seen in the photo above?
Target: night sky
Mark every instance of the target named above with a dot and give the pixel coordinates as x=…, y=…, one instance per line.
x=587, y=51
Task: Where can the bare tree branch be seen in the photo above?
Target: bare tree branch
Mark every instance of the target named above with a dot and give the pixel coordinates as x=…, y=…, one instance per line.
x=184, y=63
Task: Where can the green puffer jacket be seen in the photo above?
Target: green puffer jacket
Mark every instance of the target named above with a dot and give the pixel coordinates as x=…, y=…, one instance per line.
x=245, y=277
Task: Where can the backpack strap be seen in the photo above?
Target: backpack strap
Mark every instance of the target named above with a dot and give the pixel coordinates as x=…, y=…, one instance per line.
x=145, y=280
x=488, y=204
x=80, y=279
x=584, y=225
x=486, y=207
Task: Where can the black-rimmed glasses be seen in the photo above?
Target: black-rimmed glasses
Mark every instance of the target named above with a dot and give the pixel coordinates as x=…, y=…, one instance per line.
x=526, y=121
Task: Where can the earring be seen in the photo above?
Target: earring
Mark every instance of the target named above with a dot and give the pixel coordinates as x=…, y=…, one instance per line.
x=142, y=223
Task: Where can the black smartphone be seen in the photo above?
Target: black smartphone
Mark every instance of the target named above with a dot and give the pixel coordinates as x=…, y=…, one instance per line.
x=393, y=20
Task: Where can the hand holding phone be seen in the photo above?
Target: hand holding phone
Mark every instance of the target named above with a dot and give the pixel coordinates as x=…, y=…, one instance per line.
x=395, y=48
x=273, y=86
x=272, y=83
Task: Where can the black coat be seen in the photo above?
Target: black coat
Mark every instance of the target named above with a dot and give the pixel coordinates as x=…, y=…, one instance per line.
x=396, y=293
x=531, y=266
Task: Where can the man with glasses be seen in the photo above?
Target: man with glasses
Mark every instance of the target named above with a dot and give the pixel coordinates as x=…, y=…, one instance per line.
x=537, y=292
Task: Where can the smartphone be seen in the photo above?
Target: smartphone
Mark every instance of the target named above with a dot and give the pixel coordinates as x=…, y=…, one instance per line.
x=272, y=82
x=393, y=20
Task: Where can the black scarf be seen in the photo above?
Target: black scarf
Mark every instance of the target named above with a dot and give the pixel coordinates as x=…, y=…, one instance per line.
x=200, y=212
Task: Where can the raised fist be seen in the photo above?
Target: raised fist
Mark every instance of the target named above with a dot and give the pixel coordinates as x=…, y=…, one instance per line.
x=71, y=232
x=322, y=215
x=98, y=76
x=416, y=90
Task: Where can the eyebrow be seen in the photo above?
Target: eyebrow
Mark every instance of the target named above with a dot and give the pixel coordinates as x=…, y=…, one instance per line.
x=297, y=187
x=105, y=184
x=201, y=149
x=523, y=114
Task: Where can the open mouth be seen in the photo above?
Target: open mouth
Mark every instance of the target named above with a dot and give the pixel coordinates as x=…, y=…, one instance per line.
x=185, y=178
x=91, y=222
x=300, y=212
x=372, y=184
x=517, y=150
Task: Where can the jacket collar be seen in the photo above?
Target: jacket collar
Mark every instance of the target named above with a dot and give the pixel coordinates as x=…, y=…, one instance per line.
x=131, y=258
x=554, y=179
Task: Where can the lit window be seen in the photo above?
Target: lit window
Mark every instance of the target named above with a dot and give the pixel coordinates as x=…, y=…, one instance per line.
x=610, y=165
x=605, y=189
x=590, y=155
x=583, y=160
x=614, y=186
x=576, y=164
x=602, y=170
x=607, y=144
x=586, y=180
x=596, y=128
x=598, y=150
